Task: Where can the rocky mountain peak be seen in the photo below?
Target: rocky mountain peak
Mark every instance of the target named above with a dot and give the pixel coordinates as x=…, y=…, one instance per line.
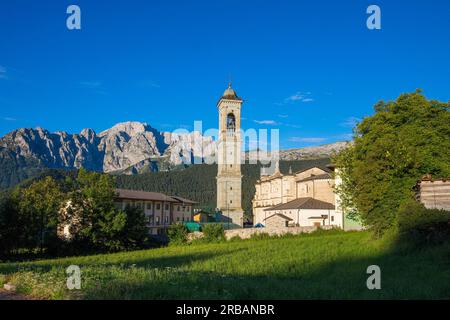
x=88, y=134
x=128, y=147
x=131, y=128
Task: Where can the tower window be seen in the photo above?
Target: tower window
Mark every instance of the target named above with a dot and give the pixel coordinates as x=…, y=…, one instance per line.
x=231, y=122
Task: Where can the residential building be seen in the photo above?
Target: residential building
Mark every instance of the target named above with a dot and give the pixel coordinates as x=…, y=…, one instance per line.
x=160, y=210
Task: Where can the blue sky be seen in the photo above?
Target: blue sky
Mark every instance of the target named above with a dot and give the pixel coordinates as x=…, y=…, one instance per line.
x=309, y=68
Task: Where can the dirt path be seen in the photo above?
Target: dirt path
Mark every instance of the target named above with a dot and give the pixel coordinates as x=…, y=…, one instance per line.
x=6, y=295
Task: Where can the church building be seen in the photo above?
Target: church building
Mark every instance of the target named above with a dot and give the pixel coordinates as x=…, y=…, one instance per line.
x=305, y=198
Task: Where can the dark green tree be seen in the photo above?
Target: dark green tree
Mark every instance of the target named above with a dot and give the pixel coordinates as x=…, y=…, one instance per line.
x=135, y=233
x=99, y=222
x=11, y=227
x=38, y=206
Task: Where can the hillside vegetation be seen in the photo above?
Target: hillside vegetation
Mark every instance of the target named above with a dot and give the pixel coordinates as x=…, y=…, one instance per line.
x=325, y=265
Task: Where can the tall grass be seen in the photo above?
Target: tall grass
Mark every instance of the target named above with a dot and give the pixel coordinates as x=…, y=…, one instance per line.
x=330, y=265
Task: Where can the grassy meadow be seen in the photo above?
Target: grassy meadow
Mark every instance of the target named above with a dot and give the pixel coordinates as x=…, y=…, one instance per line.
x=324, y=265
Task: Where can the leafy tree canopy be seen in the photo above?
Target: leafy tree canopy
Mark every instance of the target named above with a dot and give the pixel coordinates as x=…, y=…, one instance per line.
x=404, y=140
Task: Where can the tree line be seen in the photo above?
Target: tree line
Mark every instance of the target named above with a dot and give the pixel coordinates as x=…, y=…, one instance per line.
x=31, y=214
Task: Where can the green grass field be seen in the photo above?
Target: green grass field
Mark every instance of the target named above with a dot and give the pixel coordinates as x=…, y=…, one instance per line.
x=330, y=265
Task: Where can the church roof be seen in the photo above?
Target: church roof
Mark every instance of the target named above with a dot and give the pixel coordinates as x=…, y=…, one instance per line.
x=303, y=203
x=317, y=177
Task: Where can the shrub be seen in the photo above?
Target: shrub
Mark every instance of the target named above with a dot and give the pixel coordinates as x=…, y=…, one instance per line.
x=422, y=226
x=320, y=231
x=2, y=280
x=177, y=234
x=261, y=236
x=213, y=232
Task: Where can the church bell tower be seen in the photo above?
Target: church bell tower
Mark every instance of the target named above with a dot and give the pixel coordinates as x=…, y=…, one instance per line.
x=229, y=177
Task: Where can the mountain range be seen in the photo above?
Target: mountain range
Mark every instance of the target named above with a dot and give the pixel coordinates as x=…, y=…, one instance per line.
x=126, y=148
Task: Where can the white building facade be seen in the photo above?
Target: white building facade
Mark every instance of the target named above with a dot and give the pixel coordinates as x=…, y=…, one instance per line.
x=306, y=197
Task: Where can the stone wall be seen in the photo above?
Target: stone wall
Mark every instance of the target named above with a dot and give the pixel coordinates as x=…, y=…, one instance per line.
x=248, y=232
x=276, y=221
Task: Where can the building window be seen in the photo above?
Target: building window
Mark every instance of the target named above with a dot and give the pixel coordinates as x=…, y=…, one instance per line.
x=167, y=219
x=178, y=208
x=150, y=220
x=332, y=218
x=157, y=220
x=178, y=218
x=158, y=206
x=149, y=206
x=167, y=206
x=231, y=201
x=231, y=188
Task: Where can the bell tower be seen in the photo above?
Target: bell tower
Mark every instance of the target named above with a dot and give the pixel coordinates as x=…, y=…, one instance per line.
x=229, y=177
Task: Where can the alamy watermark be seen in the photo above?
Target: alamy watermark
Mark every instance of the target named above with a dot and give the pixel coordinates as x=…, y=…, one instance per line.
x=374, y=280
x=73, y=21
x=74, y=277
x=374, y=20
x=211, y=146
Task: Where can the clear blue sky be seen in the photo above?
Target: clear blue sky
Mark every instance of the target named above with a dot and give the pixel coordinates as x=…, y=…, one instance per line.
x=309, y=68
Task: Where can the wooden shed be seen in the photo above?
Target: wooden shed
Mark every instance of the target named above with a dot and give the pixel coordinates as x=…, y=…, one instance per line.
x=434, y=193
